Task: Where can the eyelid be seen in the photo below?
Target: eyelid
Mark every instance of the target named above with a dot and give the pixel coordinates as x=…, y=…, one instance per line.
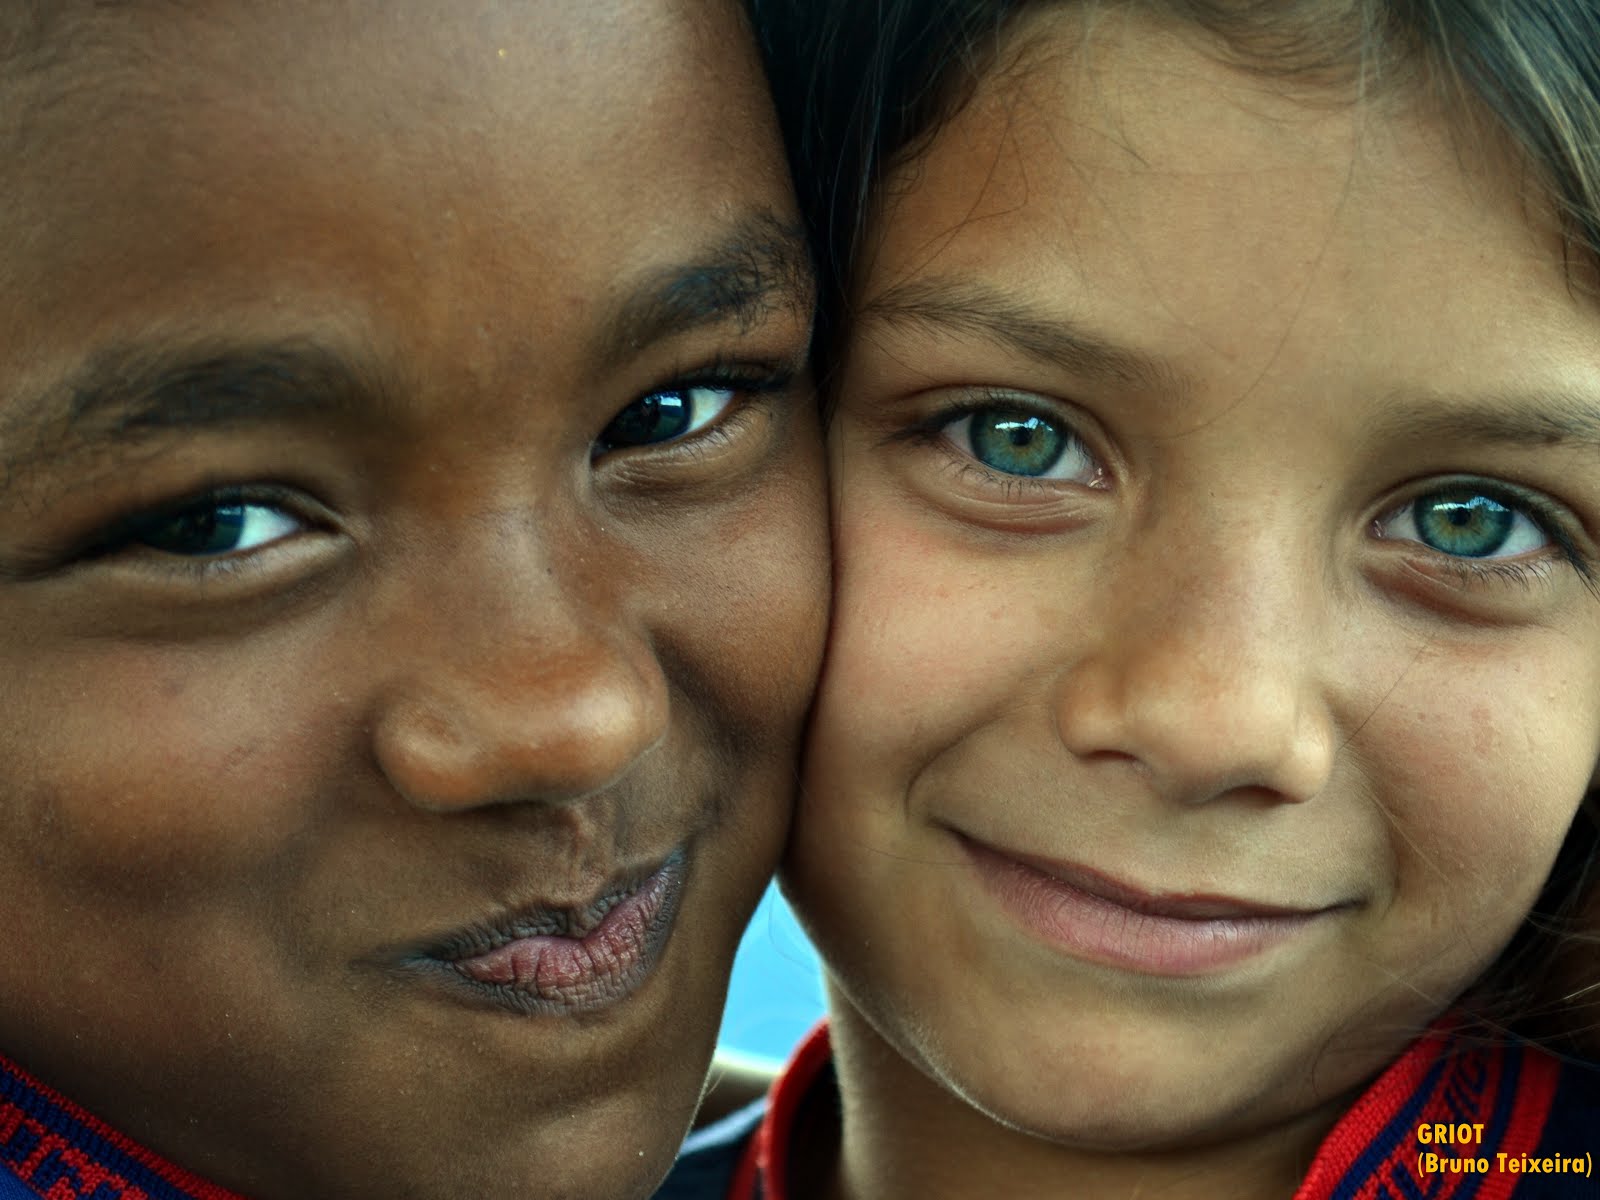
x=752, y=378
x=706, y=442
x=966, y=401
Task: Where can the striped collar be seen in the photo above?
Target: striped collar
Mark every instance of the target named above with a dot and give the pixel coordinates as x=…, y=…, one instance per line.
x=55, y=1150
x=1374, y=1151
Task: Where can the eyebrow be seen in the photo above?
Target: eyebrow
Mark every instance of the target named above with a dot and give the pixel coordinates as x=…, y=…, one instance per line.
x=762, y=266
x=970, y=309
x=125, y=392
x=1548, y=418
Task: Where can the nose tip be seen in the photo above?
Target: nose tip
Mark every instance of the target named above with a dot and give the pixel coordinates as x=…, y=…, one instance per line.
x=1200, y=724
x=541, y=728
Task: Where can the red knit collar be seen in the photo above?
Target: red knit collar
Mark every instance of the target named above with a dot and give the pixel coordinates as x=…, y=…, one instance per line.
x=1374, y=1151
x=57, y=1149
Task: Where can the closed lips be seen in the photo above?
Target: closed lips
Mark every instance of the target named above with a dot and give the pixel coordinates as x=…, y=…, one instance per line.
x=1095, y=917
x=568, y=958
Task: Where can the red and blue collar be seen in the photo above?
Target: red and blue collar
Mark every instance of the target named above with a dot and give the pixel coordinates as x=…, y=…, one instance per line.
x=1502, y=1091
x=1373, y=1153
x=56, y=1150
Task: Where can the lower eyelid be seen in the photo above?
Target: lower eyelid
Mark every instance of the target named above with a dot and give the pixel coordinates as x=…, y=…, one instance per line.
x=164, y=578
x=1539, y=566
x=968, y=467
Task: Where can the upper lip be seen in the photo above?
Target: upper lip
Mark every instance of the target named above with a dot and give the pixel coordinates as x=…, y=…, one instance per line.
x=1178, y=905
x=570, y=918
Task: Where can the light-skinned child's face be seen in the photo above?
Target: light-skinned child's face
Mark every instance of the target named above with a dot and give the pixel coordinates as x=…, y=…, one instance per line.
x=1211, y=684
x=358, y=615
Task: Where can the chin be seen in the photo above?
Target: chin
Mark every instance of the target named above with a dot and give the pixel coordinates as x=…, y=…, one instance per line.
x=618, y=1156
x=577, y=1174
x=1118, y=1088
x=1110, y=1116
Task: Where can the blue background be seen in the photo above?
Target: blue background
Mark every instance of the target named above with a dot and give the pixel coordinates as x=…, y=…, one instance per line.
x=776, y=991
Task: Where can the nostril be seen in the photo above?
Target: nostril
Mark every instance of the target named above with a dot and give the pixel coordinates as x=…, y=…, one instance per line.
x=607, y=724
x=422, y=753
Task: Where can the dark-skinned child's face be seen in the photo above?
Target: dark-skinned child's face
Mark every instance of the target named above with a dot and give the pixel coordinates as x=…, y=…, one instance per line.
x=412, y=577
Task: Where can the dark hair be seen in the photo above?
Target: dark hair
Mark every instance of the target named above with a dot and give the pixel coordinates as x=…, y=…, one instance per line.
x=861, y=85
x=855, y=83
x=1546, y=983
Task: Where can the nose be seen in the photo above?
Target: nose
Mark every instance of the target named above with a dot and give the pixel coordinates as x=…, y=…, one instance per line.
x=1202, y=669
x=514, y=682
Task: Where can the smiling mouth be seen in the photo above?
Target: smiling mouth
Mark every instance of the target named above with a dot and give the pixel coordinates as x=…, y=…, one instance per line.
x=566, y=960
x=1101, y=920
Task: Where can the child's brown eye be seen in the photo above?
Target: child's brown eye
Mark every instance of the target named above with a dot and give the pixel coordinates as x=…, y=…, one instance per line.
x=665, y=415
x=211, y=529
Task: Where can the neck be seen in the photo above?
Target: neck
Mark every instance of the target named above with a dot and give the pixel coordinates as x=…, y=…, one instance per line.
x=906, y=1135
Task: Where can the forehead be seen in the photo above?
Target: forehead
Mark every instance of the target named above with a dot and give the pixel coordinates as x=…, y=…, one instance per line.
x=395, y=60
x=1121, y=167
x=547, y=78
x=166, y=160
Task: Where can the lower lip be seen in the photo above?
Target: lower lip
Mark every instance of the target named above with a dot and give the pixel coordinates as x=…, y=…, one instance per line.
x=1103, y=931
x=610, y=962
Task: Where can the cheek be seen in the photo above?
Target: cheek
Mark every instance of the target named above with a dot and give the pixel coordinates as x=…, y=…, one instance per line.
x=931, y=637
x=153, y=773
x=762, y=619
x=1484, y=762
x=739, y=613
x=741, y=599
x=155, y=812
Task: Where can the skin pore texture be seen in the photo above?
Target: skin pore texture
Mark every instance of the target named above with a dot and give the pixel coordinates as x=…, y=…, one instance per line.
x=412, y=579
x=1215, y=672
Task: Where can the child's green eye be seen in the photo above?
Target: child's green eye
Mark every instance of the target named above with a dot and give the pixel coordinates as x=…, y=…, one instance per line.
x=212, y=529
x=665, y=415
x=1016, y=442
x=1466, y=523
